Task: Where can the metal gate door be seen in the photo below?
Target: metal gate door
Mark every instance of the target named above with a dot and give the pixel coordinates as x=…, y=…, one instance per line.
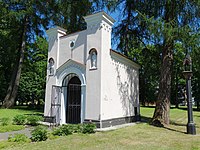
x=73, y=104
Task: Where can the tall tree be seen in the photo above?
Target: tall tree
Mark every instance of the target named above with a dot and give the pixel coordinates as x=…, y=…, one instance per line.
x=7, y=55
x=69, y=14
x=33, y=78
x=29, y=17
x=162, y=24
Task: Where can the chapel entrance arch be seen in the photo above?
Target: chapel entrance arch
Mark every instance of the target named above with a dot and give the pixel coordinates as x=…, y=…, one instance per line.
x=73, y=98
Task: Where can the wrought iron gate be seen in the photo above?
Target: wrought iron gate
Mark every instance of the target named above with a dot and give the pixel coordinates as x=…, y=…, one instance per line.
x=56, y=104
x=73, y=104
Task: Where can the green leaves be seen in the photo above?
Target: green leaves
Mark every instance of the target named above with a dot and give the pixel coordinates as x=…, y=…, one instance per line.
x=69, y=14
x=33, y=78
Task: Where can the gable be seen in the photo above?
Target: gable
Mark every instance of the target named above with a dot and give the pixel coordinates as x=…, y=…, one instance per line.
x=70, y=64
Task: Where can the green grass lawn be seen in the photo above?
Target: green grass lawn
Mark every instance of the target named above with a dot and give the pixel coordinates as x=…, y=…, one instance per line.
x=141, y=136
x=10, y=113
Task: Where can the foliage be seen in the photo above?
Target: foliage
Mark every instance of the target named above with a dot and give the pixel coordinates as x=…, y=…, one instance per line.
x=76, y=128
x=39, y=134
x=30, y=120
x=178, y=81
x=19, y=120
x=196, y=76
x=68, y=129
x=8, y=47
x=4, y=121
x=69, y=14
x=23, y=20
x=19, y=138
x=63, y=130
x=88, y=128
x=149, y=74
x=162, y=25
x=33, y=120
x=33, y=78
x=22, y=26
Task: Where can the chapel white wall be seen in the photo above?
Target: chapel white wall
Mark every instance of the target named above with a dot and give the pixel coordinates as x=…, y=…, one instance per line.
x=93, y=76
x=120, y=88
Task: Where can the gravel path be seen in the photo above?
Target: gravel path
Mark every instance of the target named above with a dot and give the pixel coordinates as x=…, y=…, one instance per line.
x=26, y=131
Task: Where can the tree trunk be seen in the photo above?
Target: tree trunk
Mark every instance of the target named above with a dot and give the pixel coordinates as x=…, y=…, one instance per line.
x=176, y=90
x=162, y=110
x=9, y=99
x=161, y=113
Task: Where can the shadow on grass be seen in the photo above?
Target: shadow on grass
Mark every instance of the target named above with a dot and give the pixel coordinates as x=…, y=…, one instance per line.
x=148, y=120
x=177, y=124
x=175, y=130
x=145, y=119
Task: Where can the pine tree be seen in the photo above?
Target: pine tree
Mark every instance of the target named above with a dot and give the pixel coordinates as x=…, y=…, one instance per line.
x=162, y=24
x=29, y=18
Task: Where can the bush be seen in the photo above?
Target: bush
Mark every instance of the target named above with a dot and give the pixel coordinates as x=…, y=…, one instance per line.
x=77, y=128
x=63, y=130
x=39, y=134
x=57, y=131
x=4, y=121
x=19, y=119
x=18, y=138
x=88, y=128
x=33, y=120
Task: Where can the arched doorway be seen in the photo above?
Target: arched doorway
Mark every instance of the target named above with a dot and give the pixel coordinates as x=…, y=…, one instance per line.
x=73, y=106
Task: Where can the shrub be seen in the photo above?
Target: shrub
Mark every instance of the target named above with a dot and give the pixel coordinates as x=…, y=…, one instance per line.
x=39, y=134
x=63, y=130
x=18, y=138
x=19, y=119
x=57, y=131
x=33, y=120
x=5, y=121
x=88, y=128
x=77, y=128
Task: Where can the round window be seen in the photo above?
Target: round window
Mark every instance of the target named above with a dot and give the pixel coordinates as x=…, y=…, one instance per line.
x=72, y=44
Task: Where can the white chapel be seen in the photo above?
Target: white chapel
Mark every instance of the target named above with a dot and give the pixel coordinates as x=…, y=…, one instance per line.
x=87, y=81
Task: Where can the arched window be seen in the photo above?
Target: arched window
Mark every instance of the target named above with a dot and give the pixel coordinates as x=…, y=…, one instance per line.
x=51, y=66
x=93, y=58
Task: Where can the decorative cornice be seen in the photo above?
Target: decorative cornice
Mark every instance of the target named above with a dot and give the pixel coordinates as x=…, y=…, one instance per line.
x=99, y=21
x=57, y=29
x=100, y=26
